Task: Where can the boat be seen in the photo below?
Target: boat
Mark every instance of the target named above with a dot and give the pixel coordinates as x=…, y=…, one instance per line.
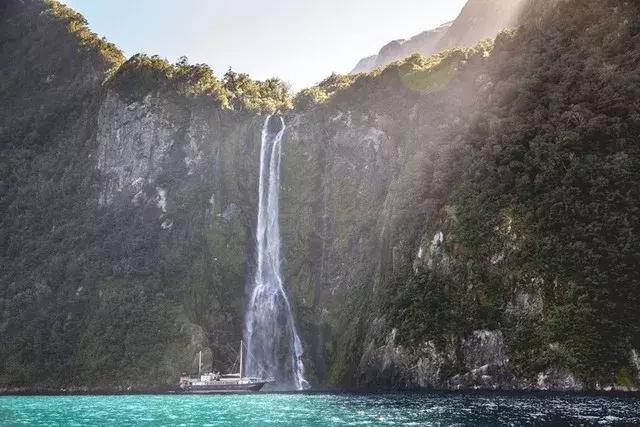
x=216, y=383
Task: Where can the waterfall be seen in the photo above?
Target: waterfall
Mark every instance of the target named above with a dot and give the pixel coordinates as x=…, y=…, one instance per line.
x=274, y=349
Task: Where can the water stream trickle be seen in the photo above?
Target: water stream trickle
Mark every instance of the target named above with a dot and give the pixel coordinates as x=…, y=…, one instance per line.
x=274, y=349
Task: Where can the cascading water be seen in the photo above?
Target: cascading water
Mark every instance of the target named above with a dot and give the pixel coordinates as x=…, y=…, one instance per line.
x=274, y=349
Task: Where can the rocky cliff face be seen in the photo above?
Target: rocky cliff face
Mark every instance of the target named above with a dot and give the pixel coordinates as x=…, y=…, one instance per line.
x=503, y=332
x=129, y=213
x=188, y=171
x=140, y=207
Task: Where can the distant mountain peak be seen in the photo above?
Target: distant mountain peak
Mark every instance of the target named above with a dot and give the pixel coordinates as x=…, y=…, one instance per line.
x=479, y=19
x=365, y=64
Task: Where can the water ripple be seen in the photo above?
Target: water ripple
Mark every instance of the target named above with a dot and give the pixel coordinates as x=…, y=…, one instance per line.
x=319, y=410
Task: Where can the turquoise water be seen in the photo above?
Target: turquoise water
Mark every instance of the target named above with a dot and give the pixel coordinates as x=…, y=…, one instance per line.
x=318, y=410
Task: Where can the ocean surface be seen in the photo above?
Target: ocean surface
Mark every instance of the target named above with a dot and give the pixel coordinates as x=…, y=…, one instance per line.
x=319, y=410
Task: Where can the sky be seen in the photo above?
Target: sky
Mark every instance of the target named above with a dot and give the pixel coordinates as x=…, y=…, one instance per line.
x=299, y=41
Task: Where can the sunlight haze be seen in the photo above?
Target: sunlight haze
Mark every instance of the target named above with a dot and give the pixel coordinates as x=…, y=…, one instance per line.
x=298, y=41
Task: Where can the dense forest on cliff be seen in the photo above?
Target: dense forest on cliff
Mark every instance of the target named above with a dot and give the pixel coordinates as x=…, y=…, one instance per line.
x=468, y=219
x=547, y=202
x=554, y=167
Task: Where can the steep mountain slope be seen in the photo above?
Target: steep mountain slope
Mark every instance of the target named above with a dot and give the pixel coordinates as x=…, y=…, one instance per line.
x=479, y=19
x=365, y=64
x=463, y=220
x=425, y=43
x=49, y=88
x=127, y=204
x=535, y=247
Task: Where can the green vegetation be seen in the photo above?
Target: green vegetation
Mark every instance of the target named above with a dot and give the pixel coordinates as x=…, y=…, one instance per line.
x=417, y=75
x=425, y=307
x=555, y=148
x=548, y=198
x=88, y=41
x=321, y=93
x=242, y=93
x=140, y=328
x=143, y=74
x=48, y=229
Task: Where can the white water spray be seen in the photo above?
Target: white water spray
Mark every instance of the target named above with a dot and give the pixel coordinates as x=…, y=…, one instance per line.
x=273, y=347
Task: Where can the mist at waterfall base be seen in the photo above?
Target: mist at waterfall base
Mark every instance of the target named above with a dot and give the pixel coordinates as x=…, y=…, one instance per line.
x=274, y=350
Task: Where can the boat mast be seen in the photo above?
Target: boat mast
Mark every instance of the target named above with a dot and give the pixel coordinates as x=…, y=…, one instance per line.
x=240, y=359
x=200, y=363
